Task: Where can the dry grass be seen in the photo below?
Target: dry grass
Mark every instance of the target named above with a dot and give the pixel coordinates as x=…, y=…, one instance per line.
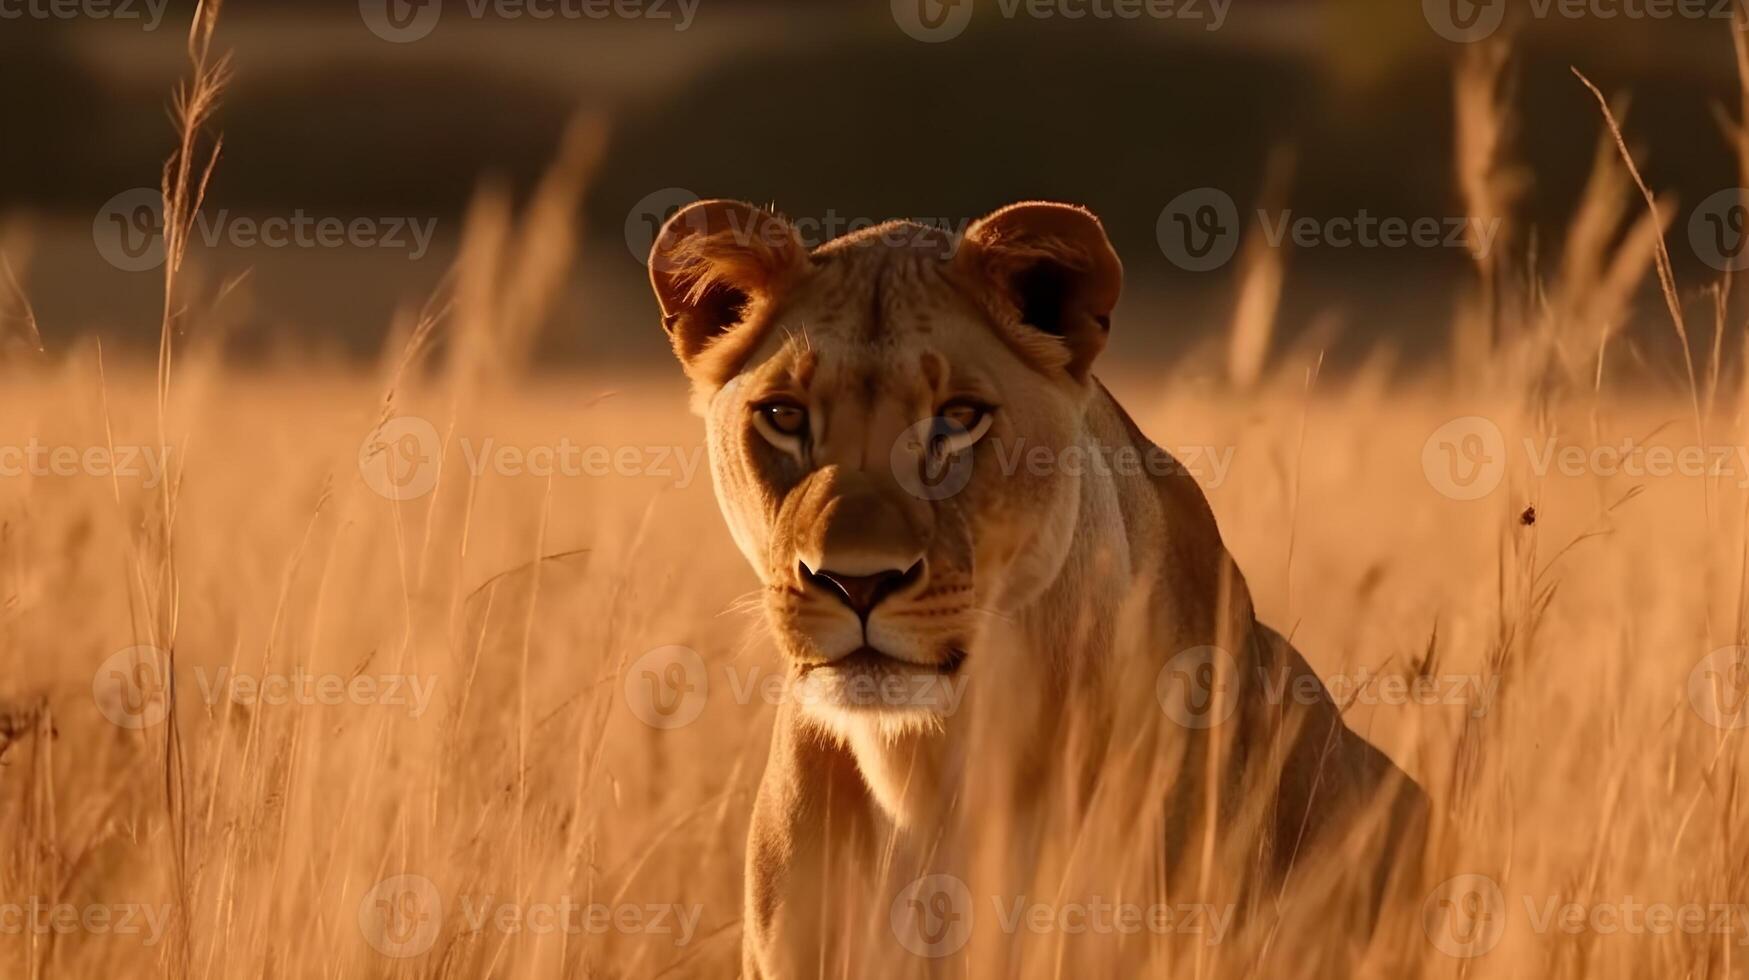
x=1589, y=775
x=1580, y=765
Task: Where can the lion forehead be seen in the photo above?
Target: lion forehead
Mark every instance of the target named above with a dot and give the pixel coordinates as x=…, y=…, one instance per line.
x=878, y=293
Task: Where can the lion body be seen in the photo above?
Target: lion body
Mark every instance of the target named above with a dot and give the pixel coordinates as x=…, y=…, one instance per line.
x=1066, y=591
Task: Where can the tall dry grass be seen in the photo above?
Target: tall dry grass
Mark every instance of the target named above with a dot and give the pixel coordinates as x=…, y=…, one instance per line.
x=1587, y=759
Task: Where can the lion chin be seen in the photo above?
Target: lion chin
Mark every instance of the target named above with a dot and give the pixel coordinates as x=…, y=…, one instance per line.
x=896, y=423
x=869, y=692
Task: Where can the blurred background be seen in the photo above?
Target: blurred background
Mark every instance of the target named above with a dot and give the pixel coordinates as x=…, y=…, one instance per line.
x=1511, y=470
x=841, y=114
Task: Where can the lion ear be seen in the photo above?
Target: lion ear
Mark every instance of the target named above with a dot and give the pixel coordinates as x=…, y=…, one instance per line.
x=714, y=266
x=1050, y=278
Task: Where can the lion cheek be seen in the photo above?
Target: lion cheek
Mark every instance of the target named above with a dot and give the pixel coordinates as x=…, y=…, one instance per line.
x=1018, y=559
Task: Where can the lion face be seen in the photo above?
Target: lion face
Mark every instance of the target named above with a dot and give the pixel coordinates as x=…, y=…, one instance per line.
x=882, y=417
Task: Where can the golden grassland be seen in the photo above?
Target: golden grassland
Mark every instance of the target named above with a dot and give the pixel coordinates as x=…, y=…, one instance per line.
x=474, y=750
x=1564, y=739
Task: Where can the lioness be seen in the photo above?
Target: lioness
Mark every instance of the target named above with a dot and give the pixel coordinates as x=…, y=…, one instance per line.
x=889, y=417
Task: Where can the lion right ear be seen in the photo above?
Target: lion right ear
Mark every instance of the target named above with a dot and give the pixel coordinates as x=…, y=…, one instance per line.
x=716, y=266
x=1052, y=279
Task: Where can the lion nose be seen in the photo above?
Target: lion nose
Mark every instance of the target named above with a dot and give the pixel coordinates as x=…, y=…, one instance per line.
x=862, y=593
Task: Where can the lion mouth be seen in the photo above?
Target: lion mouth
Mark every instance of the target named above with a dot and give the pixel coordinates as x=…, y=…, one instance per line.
x=868, y=660
x=867, y=681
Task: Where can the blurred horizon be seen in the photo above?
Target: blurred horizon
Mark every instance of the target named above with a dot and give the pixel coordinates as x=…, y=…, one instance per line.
x=1340, y=109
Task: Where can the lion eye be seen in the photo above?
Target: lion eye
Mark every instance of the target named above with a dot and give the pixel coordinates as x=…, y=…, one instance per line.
x=962, y=423
x=966, y=415
x=781, y=420
x=787, y=419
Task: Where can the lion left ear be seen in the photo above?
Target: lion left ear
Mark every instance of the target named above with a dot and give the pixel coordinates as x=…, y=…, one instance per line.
x=714, y=266
x=1050, y=279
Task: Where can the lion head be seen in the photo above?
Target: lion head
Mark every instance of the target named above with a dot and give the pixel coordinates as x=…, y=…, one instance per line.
x=882, y=413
